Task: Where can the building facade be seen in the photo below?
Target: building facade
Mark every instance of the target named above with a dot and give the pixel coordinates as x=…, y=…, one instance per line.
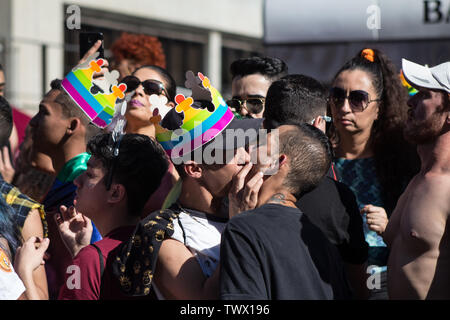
x=317, y=37
x=39, y=38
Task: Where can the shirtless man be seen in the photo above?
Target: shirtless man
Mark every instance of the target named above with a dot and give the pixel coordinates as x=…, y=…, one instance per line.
x=418, y=232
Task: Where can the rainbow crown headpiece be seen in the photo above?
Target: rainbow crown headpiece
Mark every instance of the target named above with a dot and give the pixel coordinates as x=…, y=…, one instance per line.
x=201, y=118
x=97, y=98
x=411, y=91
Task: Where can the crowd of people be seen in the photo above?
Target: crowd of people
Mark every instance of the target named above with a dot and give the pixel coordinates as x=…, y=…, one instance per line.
x=289, y=190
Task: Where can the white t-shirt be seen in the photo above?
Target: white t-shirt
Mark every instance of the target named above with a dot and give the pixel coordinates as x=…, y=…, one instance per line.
x=11, y=287
x=201, y=234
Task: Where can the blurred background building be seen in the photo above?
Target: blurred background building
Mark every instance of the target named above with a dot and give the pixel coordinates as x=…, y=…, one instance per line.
x=314, y=37
x=317, y=37
x=36, y=45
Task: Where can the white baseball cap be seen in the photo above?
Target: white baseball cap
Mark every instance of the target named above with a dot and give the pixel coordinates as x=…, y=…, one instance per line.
x=437, y=77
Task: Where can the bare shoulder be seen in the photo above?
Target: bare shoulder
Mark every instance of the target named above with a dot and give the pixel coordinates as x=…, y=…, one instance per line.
x=178, y=274
x=438, y=187
x=430, y=194
x=173, y=252
x=33, y=225
x=435, y=178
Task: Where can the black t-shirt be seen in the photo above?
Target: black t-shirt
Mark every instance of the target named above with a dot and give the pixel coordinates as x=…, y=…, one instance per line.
x=274, y=252
x=332, y=207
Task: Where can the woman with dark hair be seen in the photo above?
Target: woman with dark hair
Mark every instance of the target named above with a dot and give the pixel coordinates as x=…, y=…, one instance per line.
x=368, y=105
x=17, y=282
x=151, y=92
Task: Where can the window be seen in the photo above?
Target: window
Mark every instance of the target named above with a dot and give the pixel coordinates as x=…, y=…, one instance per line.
x=184, y=47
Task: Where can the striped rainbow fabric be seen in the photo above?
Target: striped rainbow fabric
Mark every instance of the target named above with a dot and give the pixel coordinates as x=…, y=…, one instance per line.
x=199, y=125
x=98, y=107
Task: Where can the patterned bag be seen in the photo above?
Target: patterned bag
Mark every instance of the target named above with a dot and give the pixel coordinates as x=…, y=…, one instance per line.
x=136, y=262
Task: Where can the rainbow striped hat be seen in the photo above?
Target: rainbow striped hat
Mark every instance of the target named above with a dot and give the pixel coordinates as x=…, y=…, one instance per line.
x=96, y=99
x=201, y=117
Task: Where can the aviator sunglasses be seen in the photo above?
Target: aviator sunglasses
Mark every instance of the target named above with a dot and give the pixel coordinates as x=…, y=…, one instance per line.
x=357, y=99
x=150, y=86
x=252, y=105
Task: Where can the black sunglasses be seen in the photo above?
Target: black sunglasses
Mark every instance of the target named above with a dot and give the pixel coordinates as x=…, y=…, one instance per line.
x=150, y=86
x=252, y=105
x=358, y=99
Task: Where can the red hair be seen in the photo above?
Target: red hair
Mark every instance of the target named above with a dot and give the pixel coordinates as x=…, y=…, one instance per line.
x=140, y=48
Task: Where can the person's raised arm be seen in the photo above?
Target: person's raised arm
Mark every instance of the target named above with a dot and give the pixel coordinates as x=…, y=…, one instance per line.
x=33, y=228
x=90, y=52
x=29, y=257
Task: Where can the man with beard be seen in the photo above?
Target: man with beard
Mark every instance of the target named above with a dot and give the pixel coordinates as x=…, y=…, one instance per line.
x=418, y=233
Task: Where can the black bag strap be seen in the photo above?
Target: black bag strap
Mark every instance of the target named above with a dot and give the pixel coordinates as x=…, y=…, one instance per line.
x=100, y=255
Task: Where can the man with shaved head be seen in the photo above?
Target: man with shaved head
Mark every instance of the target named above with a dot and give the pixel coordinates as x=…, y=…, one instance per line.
x=274, y=252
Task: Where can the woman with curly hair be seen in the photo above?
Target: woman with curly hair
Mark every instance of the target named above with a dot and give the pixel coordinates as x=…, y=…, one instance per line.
x=368, y=105
x=132, y=51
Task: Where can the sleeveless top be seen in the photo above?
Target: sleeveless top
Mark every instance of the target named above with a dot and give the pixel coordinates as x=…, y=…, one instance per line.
x=136, y=260
x=361, y=177
x=201, y=234
x=22, y=204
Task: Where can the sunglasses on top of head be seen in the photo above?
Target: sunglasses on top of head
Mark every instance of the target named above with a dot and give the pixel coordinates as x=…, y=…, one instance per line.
x=358, y=99
x=150, y=86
